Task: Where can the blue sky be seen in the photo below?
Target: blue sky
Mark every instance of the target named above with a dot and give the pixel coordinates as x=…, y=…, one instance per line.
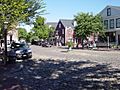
x=66, y=9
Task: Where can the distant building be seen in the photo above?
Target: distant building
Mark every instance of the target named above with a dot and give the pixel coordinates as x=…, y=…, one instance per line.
x=64, y=31
x=111, y=19
x=52, y=24
x=12, y=35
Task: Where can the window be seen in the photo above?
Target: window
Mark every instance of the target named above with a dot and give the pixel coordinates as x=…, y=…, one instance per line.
x=106, y=24
x=56, y=32
x=109, y=12
x=62, y=31
x=111, y=23
x=118, y=23
x=59, y=25
x=62, y=39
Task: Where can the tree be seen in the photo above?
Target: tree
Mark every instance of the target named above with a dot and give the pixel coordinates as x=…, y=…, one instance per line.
x=40, y=29
x=51, y=32
x=98, y=26
x=22, y=33
x=15, y=11
x=88, y=24
x=29, y=36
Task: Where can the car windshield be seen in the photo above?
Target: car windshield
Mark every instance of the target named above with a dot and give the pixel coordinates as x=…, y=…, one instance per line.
x=19, y=45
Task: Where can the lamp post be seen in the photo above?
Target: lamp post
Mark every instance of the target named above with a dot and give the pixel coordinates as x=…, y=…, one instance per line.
x=5, y=42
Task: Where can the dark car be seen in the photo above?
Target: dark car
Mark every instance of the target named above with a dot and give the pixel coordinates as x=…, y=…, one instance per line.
x=36, y=42
x=46, y=44
x=22, y=50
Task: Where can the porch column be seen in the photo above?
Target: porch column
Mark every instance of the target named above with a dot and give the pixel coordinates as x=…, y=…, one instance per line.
x=116, y=37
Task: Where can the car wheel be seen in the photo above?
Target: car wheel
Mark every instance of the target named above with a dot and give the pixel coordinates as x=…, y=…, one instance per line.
x=11, y=59
x=30, y=56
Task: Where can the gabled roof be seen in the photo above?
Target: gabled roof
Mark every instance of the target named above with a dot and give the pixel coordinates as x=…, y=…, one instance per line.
x=52, y=24
x=110, y=6
x=67, y=22
x=116, y=7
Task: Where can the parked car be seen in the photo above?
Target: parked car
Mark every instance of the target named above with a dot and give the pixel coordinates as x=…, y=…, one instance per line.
x=22, y=50
x=46, y=44
x=34, y=42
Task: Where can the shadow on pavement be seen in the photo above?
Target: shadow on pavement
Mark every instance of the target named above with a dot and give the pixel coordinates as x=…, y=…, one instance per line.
x=65, y=51
x=58, y=75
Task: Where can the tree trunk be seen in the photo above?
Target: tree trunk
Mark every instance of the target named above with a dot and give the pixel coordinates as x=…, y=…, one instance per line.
x=5, y=46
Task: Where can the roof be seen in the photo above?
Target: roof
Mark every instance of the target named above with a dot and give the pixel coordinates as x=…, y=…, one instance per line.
x=116, y=7
x=67, y=22
x=52, y=24
x=110, y=6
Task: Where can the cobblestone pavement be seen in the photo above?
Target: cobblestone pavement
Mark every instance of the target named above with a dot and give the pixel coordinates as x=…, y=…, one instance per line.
x=75, y=70
x=109, y=57
x=58, y=75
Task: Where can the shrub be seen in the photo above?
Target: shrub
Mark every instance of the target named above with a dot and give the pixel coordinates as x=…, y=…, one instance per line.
x=70, y=44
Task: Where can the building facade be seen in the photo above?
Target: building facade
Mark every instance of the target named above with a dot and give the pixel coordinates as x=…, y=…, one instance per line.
x=64, y=31
x=111, y=20
x=12, y=35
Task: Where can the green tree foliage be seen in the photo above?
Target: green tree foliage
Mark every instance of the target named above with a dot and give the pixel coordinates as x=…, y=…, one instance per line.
x=88, y=24
x=29, y=36
x=98, y=26
x=22, y=33
x=51, y=32
x=40, y=29
x=15, y=11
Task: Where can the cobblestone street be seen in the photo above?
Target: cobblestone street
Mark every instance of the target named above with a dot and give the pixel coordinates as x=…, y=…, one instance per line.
x=107, y=57
x=56, y=69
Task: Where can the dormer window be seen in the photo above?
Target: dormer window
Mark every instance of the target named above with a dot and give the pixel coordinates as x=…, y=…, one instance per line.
x=109, y=12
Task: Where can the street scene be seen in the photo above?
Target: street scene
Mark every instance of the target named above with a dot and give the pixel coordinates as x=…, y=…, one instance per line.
x=59, y=45
x=56, y=68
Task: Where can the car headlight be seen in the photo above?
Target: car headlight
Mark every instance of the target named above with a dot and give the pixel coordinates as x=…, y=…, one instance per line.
x=29, y=50
x=19, y=51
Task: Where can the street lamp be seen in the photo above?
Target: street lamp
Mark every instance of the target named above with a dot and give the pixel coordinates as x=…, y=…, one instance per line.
x=5, y=42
